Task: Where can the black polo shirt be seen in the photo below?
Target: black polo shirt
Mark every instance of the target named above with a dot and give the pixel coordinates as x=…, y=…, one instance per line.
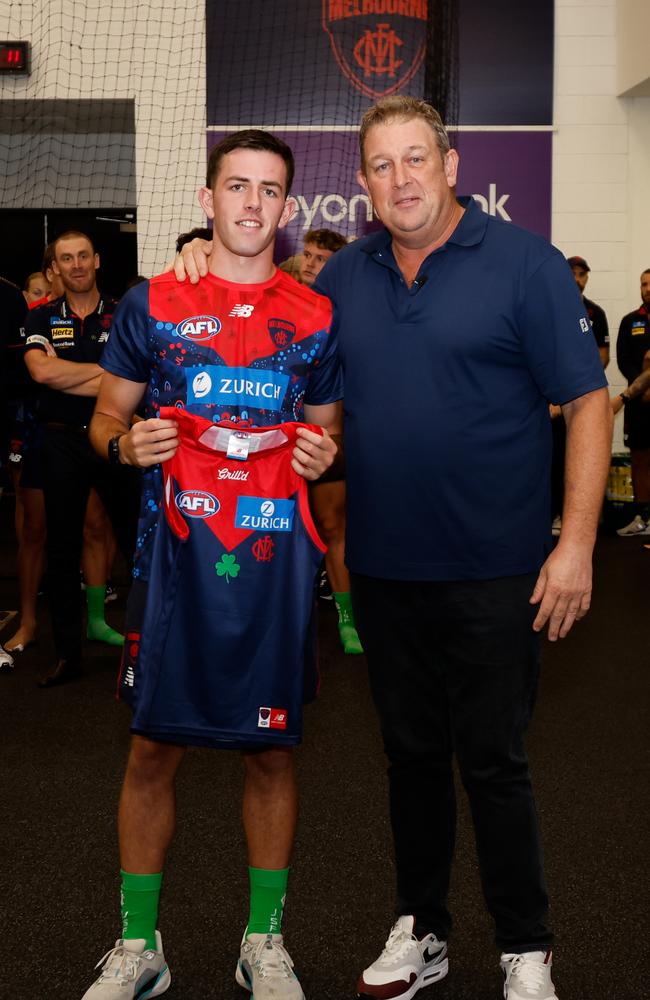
x=598, y=321
x=73, y=339
x=633, y=342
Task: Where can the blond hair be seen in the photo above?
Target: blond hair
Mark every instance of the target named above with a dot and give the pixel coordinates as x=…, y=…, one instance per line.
x=387, y=109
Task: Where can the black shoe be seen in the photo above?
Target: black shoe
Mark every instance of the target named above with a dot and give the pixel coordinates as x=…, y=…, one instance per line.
x=324, y=589
x=62, y=672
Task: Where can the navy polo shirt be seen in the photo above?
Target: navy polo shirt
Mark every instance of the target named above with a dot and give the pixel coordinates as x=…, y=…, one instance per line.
x=446, y=393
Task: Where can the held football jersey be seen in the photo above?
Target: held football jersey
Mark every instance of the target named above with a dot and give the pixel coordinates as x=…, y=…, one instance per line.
x=250, y=354
x=226, y=655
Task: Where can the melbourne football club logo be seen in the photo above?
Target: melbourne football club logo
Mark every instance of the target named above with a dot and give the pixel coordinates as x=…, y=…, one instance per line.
x=197, y=503
x=378, y=44
x=198, y=328
x=282, y=332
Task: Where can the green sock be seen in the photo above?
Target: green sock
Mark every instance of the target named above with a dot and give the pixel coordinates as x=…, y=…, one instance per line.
x=268, y=890
x=140, y=896
x=347, y=629
x=97, y=628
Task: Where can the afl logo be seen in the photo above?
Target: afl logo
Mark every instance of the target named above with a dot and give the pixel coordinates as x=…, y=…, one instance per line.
x=198, y=328
x=197, y=503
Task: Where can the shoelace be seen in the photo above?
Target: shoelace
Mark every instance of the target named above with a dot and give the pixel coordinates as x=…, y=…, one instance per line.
x=270, y=958
x=119, y=964
x=531, y=975
x=398, y=943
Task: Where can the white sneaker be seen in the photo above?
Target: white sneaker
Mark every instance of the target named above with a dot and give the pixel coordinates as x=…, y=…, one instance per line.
x=406, y=964
x=528, y=976
x=131, y=973
x=635, y=527
x=266, y=970
x=6, y=661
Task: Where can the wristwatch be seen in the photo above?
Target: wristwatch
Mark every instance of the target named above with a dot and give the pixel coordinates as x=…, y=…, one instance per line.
x=114, y=449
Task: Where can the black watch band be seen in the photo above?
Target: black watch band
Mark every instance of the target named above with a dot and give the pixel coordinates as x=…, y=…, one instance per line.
x=114, y=449
x=625, y=398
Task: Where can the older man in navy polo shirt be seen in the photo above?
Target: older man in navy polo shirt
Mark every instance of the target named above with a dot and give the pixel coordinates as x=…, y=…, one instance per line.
x=455, y=331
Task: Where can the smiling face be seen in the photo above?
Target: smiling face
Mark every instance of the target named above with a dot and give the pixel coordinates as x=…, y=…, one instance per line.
x=409, y=181
x=247, y=201
x=76, y=262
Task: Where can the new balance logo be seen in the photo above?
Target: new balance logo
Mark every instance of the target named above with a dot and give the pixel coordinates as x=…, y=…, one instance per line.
x=241, y=310
x=129, y=677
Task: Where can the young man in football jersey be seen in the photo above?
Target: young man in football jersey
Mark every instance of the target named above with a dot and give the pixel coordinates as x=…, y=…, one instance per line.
x=250, y=346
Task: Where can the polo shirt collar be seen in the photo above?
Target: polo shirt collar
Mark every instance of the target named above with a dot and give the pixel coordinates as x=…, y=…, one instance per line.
x=469, y=232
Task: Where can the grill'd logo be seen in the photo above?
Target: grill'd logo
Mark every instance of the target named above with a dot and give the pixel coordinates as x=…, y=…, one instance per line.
x=378, y=44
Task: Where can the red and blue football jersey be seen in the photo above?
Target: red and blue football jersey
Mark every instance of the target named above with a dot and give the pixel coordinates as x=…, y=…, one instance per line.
x=226, y=656
x=250, y=354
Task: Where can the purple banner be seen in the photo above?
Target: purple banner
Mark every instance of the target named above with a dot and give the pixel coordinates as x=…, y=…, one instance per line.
x=508, y=172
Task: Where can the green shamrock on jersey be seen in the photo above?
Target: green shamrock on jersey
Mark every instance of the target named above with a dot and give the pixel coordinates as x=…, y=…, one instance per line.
x=228, y=567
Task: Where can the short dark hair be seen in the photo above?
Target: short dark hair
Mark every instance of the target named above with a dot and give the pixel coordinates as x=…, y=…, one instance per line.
x=199, y=232
x=71, y=234
x=250, y=138
x=326, y=239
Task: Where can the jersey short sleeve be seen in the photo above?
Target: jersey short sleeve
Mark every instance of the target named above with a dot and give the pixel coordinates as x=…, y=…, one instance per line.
x=326, y=381
x=37, y=330
x=127, y=353
x=556, y=334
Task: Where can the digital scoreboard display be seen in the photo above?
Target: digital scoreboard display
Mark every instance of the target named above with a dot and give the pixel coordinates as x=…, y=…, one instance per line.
x=14, y=57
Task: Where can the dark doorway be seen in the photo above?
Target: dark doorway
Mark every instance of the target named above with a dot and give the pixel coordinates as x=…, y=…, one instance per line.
x=113, y=231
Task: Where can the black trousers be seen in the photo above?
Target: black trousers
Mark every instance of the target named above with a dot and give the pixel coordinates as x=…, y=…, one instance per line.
x=70, y=468
x=453, y=671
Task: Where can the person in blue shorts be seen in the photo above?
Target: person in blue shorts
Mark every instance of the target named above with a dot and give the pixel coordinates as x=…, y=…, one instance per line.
x=245, y=348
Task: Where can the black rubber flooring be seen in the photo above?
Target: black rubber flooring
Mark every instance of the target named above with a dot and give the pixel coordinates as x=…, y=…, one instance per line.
x=62, y=757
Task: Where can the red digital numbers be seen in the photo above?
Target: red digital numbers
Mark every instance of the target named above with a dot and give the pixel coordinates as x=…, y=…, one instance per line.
x=14, y=57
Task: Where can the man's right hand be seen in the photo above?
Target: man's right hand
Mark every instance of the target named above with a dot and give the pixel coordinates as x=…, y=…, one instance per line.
x=149, y=442
x=192, y=261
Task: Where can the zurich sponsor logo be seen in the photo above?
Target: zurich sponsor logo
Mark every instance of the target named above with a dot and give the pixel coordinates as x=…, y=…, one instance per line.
x=263, y=514
x=198, y=328
x=260, y=388
x=197, y=503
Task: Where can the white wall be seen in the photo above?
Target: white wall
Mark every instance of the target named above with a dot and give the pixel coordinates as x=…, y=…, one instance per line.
x=633, y=48
x=601, y=164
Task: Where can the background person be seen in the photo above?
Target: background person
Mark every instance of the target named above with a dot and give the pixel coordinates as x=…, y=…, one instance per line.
x=63, y=344
x=328, y=498
x=632, y=345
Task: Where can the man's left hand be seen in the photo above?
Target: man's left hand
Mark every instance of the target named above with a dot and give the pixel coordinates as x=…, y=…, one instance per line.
x=313, y=454
x=564, y=589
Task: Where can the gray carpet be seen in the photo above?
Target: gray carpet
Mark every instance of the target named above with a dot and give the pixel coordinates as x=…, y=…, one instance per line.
x=63, y=753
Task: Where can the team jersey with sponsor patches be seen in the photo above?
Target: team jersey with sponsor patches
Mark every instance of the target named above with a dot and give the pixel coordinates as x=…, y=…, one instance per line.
x=226, y=656
x=249, y=354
